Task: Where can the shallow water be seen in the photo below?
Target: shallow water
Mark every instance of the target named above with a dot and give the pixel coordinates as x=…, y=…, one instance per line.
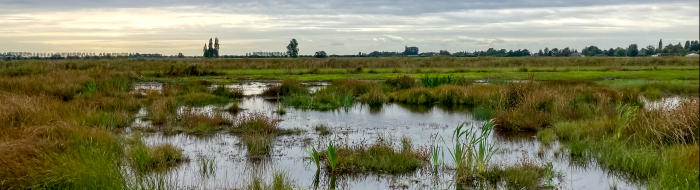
x=358, y=124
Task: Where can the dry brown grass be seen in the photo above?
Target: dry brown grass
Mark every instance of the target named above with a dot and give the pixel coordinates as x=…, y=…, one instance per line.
x=27, y=153
x=22, y=110
x=676, y=126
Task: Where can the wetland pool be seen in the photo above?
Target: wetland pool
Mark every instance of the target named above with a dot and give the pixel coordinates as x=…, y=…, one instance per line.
x=424, y=125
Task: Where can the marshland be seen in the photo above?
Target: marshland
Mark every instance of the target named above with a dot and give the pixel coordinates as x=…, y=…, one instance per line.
x=351, y=123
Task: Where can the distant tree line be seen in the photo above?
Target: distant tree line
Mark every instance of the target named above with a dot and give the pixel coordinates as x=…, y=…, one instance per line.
x=633, y=50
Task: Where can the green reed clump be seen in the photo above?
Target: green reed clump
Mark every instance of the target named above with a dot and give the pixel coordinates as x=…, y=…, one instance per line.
x=374, y=97
x=145, y=158
x=206, y=165
x=472, y=156
x=526, y=174
x=255, y=123
x=332, y=156
x=224, y=92
x=280, y=181
x=257, y=131
x=315, y=156
x=432, y=81
x=258, y=144
x=378, y=157
x=413, y=96
x=194, y=122
x=546, y=135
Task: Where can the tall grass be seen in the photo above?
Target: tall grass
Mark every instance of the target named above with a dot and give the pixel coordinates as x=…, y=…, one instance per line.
x=434, y=81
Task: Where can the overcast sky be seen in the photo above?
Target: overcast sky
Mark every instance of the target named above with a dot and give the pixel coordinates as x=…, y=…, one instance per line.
x=339, y=26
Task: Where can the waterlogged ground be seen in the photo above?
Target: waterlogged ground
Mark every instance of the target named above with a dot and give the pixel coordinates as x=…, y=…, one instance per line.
x=360, y=124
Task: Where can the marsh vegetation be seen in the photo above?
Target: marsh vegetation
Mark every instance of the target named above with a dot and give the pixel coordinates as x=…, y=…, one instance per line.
x=466, y=122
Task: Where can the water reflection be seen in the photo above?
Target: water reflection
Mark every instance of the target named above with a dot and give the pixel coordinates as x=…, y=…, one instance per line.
x=364, y=123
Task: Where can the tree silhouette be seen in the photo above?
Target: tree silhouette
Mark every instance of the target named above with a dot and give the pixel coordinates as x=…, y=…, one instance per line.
x=293, y=48
x=321, y=54
x=212, y=50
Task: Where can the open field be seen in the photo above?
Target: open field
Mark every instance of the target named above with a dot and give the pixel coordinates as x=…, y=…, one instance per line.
x=451, y=122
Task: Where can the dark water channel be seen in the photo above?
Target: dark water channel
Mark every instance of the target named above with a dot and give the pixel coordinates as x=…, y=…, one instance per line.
x=233, y=169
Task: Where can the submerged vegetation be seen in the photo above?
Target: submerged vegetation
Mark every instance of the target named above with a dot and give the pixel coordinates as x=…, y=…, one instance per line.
x=61, y=120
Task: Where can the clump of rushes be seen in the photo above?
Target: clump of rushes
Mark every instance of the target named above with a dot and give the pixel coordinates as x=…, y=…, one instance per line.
x=374, y=97
x=201, y=123
x=526, y=174
x=322, y=129
x=288, y=87
x=436, y=80
x=256, y=122
x=145, y=158
x=224, y=92
x=315, y=156
x=413, y=96
x=378, y=157
x=546, y=136
x=162, y=109
x=332, y=156
x=280, y=181
x=258, y=131
x=258, y=144
x=206, y=165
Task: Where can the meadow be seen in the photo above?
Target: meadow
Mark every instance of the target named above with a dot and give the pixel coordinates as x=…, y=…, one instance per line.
x=82, y=124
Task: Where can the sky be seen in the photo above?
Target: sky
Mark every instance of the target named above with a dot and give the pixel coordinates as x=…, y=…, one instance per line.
x=339, y=26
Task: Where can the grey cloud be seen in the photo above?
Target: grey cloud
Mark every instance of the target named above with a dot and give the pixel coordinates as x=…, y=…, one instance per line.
x=401, y=7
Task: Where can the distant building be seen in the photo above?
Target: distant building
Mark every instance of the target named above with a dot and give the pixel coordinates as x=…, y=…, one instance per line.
x=692, y=55
x=535, y=54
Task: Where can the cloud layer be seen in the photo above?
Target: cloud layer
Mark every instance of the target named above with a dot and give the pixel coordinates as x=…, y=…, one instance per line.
x=339, y=27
